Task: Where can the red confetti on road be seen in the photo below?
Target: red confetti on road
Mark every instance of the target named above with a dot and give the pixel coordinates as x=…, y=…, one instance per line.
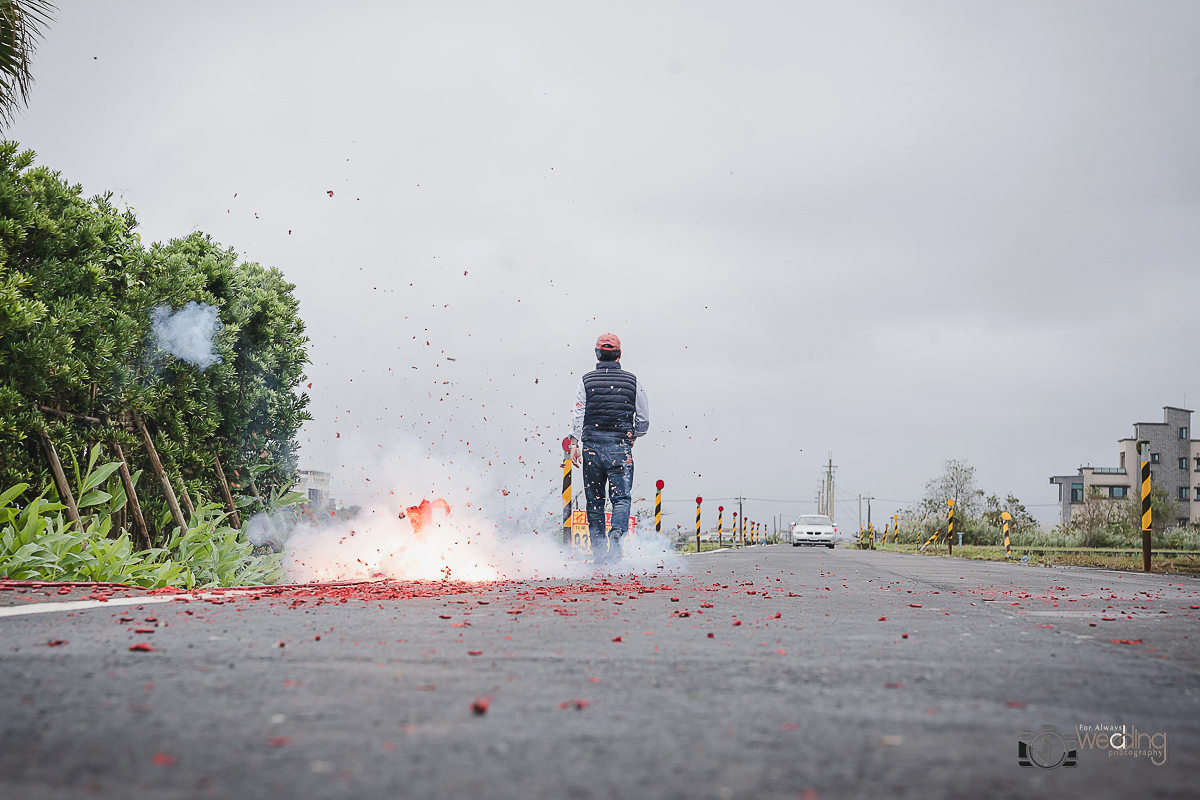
x=481, y=705
x=141, y=647
x=164, y=760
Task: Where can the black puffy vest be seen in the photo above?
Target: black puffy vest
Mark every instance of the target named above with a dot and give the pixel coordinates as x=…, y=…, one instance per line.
x=611, y=399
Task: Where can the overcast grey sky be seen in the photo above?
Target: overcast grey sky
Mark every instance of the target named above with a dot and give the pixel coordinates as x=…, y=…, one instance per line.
x=900, y=232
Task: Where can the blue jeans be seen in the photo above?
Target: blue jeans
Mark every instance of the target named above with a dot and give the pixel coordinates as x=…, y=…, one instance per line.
x=607, y=460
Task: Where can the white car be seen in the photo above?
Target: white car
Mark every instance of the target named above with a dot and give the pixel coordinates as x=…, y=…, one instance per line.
x=813, y=530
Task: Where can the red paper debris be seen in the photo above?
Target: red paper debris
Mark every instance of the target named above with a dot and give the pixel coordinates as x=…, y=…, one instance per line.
x=474, y=652
x=1126, y=641
x=56, y=642
x=781, y=652
x=788, y=726
x=577, y=703
x=737, y=622
x=915, y=605
x=710, y=636
x=279, y=741
x=883, y=619
x=893, y=686
x=481, y=705
x=904, y=636
x=616, y=638
x=141, y=647
x=164, y=760
x=1015, y=704
x=594, y=679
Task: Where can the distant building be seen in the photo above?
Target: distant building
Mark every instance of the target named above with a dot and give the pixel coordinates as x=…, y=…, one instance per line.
x=314, y=485
x=1174, y=466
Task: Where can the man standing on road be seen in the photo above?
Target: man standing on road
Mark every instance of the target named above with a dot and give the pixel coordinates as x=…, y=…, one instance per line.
x=610, y=413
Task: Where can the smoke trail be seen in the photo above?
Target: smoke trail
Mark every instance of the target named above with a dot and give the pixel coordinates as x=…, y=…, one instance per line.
x=189, y=334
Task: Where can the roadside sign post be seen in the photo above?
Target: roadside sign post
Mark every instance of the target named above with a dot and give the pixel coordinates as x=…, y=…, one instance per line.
x=1007, y=547
x=566, y=493
x=699, y=500
x=950, y=527
x=658, y=507
x=1146, y=516
x=720, y=514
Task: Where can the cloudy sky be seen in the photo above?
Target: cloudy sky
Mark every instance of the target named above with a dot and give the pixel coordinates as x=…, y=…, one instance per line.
x=897, y=232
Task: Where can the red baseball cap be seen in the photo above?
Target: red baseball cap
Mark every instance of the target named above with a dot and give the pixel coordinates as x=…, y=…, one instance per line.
x=608, y=341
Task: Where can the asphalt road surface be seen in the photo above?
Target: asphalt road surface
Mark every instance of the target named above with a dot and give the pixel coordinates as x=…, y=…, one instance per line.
x=817, y=693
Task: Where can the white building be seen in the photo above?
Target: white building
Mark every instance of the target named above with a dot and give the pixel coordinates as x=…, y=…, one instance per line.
x=314, y=485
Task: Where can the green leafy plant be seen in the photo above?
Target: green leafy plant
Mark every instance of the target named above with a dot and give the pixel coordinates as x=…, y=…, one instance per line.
x=37, y=543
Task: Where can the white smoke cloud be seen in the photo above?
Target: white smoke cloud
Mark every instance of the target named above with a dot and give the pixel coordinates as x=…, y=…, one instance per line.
x=265, y=528
x=189, y=334
x=501, y=526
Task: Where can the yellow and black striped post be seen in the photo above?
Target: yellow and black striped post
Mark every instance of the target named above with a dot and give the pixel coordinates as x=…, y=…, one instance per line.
x=895, y=529
x=736, y=538
x=566, y=499
x=886, y=531
x=720, y=515
x=658, y=507
x=932, y=538
x=1146, y=516
x=699, y=500
x=1007, y=546
x=950, y=527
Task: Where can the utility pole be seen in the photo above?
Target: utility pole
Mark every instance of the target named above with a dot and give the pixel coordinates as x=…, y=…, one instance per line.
x=742, y=517
x=829, y=482
x=860, y=512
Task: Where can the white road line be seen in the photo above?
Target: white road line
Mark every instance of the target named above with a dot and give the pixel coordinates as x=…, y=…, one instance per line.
x=82, y=605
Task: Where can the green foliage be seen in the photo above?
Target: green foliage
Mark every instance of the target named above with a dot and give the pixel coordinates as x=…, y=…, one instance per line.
x=22, y=23
x=76, y=288
x=36, y=543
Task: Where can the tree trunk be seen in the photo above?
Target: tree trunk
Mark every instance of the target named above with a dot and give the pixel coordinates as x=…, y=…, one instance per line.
x=233, y=515
x=157, y=466
x=141, y=533
x=60, y=480
x=187, y=498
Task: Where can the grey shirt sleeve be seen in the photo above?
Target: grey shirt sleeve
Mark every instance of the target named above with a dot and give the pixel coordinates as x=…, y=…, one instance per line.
x=641, y=416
